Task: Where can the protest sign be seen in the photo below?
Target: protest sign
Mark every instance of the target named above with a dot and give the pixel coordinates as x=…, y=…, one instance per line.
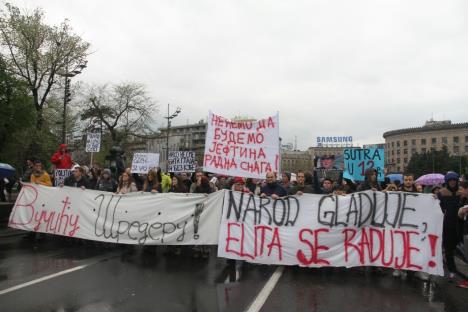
x=135, y=218
x=395, y=230
x=143, y=162
x=93, y=142
x=60, y=175
x=182, y=161
x=358, y=160
x=242, y=148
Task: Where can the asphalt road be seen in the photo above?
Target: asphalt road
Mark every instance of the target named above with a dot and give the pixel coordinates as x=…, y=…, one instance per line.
x=56, y=274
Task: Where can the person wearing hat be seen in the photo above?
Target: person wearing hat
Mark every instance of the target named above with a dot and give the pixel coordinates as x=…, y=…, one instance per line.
x=62, y=159
x=450, y=202
x=327, y=162
x=239, y=185
x=105, y=182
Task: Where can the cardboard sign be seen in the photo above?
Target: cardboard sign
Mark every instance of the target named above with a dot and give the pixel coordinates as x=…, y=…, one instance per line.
x=60, y=175
x=358, y=160
x=182, y=161
x=144, y=162
x=93, y=142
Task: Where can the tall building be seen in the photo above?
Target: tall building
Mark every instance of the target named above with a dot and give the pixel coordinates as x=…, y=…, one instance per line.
x=401, y=144
x=181, y=138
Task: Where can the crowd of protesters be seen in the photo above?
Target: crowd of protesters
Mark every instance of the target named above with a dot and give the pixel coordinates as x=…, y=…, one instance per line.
x=453, y=193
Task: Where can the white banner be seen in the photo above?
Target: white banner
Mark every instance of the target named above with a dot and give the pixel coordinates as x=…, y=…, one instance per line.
x=242, y=148
x=93, y=142
x=60, y=175
x=135, y=218
x=182, y=161
x=395, y=230
x=143, y=162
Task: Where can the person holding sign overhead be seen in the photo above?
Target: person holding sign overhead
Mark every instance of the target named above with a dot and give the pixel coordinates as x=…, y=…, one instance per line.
x=62, y=159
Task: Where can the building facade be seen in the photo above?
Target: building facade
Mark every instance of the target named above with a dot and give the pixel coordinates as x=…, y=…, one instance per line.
x=181, y=138
x=401, y=144
x=293, y=161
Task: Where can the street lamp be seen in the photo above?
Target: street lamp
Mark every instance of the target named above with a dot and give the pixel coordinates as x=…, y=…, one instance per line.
x=169, y=117
x=67, y=93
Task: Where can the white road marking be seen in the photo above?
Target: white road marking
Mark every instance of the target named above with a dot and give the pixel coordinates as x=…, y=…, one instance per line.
x=262, y=296
x=48, y=277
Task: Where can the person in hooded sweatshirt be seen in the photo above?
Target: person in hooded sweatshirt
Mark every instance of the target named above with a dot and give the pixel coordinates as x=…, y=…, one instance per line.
x=450, y=202
x=370, y=181
x=62, y=159
x=272, y=188
x=105, y=182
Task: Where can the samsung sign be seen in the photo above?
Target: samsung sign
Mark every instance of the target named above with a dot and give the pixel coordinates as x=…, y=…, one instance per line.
x=334, y=140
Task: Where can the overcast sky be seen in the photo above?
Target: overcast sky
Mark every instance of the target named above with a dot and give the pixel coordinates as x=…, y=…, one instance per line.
x=355, y=68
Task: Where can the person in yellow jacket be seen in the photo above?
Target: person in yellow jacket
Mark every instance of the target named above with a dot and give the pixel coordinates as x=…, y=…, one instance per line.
x=39, y=175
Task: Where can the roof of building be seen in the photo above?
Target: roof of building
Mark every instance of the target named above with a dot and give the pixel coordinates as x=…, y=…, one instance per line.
x=429, y=126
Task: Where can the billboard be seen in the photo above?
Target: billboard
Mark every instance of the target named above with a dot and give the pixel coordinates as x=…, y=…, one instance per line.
x=334, y=141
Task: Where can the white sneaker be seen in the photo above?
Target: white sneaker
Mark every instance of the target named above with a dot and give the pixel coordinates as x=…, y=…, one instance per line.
x=423, y=276
x=396, y=273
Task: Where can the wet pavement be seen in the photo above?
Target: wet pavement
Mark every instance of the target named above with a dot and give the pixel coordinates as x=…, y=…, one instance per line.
x=72, y=275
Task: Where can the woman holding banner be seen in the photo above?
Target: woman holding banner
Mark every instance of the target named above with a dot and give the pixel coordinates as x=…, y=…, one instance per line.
x=126, y=184
x=152, y=182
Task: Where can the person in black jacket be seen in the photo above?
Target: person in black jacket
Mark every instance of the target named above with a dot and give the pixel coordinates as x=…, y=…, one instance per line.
x=450, y=202
x=106, y=183
x=272, y=188
x=77, y=179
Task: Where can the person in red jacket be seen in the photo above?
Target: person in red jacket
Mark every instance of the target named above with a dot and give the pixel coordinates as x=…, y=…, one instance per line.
x=62, y=158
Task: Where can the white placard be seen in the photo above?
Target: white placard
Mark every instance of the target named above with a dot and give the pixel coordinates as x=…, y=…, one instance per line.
x=93, y=142
x=242, y=148
x=143, y=162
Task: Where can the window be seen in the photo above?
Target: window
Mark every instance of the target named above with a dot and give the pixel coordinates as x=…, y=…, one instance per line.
x=405, y=143
x=398, y=152
x=405, y=160
x=405, y=151
x=393, y=152
x=413, y=141
x=456, y=149
x=393, y=144
x=444, y=140
x=398, y=143
x=423, y=150
x=466, y=138
x=466, y=148
x=434, y=140
x=423, y=141
x=398, y=160
x=455, y=139
x=413, y=151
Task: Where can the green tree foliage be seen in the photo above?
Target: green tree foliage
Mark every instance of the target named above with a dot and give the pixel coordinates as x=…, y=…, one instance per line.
x=436, y=162
x=37, y=53
x=17, y=117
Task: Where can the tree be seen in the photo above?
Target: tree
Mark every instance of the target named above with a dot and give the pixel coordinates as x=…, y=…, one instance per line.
x=17, y=117
x=436, y=162
x=123, y=110
x=37, y=53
